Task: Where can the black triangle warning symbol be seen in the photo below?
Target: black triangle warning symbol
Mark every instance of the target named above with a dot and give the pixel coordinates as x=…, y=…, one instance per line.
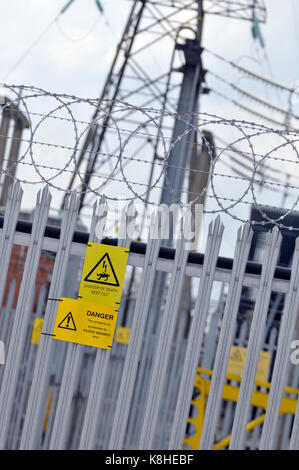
x=68, y=323
x=236, y=356
x=103, y=273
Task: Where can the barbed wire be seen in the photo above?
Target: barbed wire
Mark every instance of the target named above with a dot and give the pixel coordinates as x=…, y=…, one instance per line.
x=125, y=167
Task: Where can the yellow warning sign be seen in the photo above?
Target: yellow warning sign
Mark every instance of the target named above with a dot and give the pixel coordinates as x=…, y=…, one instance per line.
x=68, y=322
x=86, y=323
x=237, y=361
x=103, y=274
x=37, y=330
x=122, y=335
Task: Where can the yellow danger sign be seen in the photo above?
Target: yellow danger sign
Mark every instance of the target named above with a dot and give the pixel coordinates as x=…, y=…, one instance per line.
x=237, y=361
x=37, y=330
x=86, y=323
x=122, y=335
x=103, y=274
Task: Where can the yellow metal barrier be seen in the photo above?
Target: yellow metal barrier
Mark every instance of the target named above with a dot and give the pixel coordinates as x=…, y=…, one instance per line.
x=45, y=426
x=231, y=393
x=250, y=426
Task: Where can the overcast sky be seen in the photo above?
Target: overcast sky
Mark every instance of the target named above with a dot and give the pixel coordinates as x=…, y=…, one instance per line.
x=65, y=62
x=74, y=55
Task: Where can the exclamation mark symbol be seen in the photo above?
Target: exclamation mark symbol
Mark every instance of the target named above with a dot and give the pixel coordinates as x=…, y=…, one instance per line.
x=68, y=322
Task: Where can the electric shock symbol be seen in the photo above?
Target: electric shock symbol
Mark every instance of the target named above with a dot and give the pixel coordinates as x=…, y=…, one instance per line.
x=103, y=273
x=68, y=323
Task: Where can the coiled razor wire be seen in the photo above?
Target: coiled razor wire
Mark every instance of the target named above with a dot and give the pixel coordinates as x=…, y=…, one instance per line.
x=23, y=96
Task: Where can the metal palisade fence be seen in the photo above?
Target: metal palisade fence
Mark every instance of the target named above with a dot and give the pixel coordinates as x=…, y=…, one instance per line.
x=170, y=384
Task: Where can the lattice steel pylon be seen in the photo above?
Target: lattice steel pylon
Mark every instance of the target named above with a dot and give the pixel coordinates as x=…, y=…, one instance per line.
x=173, y=27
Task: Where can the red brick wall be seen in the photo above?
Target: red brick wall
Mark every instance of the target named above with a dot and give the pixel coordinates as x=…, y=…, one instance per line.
x=16, y=267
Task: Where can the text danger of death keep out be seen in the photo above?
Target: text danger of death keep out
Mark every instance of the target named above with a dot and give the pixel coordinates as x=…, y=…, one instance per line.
x=91, y=318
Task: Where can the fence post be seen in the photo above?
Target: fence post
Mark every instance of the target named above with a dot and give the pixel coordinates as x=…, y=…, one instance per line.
x=255, y=341
x=134, y=347
x=282, y=359
x=12, y=210
x=196, y=333
x=90, y=425
x=73, y=360
x=226, y=337
x=163, y=348
x=37, y=399
x=22, y=314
